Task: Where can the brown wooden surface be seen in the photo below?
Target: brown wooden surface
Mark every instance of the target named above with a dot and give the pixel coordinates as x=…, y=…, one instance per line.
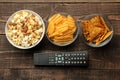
x=16, y=64
x=59, y=0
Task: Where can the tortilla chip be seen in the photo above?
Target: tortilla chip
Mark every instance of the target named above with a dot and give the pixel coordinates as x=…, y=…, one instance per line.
x=96, y=30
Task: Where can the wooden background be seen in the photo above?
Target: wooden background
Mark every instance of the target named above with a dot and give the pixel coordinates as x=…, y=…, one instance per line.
x=16, y=64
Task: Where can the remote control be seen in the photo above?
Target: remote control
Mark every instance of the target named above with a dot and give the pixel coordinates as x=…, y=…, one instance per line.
x=61, y=59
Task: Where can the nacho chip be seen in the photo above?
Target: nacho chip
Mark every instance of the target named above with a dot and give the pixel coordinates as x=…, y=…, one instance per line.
x=107, y=35
x=105, y=25
x=96, y=30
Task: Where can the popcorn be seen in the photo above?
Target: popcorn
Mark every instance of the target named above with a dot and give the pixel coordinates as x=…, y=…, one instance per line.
x=25, y=29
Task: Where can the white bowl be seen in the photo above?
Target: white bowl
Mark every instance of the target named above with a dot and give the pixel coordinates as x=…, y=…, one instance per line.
x=43, y=29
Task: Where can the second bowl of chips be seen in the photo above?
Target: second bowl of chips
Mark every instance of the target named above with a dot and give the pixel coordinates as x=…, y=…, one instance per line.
x=62, y=29
x=96, y=30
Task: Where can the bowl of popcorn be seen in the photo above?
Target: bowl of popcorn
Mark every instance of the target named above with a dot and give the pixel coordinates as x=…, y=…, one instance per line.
x=62, y=29
x=25, y=29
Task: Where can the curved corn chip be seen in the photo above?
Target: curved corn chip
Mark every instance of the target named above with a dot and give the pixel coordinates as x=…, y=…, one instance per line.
x=51, y=28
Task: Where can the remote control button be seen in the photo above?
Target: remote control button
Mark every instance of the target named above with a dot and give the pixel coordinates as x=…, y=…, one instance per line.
x=74, y=62
x=56, y=58
x=51, y=62
x=56, y=62
x=59, y=55
x=66, y=58
x=74, y=54
x=71, y=58
x=84, y=62
x=65, y=54
x=83, y=58
x=77, y=54
x=62, y=54
x=74, y=58
x=68, y=54
x=59, y=61
x=56, y=55
x=59, y=58
x=80, y=58
x=77, y=62
x=62, y=58
x=83, y=54
x=80, y=62
x=66, y=62
x=51, y=57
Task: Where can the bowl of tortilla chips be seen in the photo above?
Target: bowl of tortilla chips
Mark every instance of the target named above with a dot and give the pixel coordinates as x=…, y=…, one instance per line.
x=96, y=30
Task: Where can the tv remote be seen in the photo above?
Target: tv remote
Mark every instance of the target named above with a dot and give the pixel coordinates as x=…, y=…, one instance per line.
x=61, y=59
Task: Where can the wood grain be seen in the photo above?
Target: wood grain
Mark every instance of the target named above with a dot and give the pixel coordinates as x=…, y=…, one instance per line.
x=71, y=8
x=58, y=74
x=78, y=74
x=34, y=74
x=104, y=63
x=77, y=10
x=59, y=1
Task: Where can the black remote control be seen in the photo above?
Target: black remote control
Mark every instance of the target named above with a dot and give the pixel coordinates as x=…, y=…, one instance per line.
x=61, y=59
